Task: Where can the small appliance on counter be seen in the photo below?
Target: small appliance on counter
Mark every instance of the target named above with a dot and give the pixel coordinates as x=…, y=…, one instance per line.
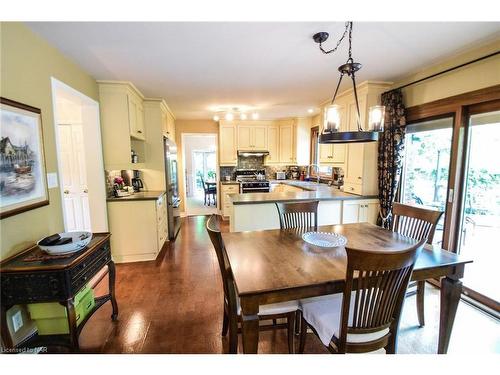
x=281, y=175
x=293, y=172
x=137, y=182
x=337, y=177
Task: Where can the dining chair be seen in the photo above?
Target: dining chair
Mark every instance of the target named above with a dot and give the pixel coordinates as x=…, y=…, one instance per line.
x=209, y=190
x=365, y=317
x=418, y=223
x=298, y=215
x=232, y=308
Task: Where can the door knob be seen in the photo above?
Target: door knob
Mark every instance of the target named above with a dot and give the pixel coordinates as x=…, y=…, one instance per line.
x=66, y=191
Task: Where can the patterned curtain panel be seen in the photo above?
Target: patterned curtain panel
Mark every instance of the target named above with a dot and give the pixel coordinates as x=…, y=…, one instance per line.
x=390, y=154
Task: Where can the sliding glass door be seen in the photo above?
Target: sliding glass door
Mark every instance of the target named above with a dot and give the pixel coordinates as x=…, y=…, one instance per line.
x=426, y=169
x=479, y=234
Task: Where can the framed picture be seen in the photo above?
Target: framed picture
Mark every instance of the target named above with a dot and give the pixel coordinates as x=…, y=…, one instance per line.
x=23, y=184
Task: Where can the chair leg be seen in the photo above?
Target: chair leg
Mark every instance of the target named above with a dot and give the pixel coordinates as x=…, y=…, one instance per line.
x=233, y=335
x=420, y=302
x=274, y=322
x=225, y=324
x=298, y=319
x=291, y=332
x=303, y=334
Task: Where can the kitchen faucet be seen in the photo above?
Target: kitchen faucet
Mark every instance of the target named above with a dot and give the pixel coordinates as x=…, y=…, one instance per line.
x=309, y=171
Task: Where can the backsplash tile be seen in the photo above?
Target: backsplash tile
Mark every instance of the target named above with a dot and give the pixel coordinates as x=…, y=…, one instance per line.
x=253, y=162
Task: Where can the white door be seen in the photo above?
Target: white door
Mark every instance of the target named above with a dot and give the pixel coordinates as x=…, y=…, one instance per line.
x=74, y=178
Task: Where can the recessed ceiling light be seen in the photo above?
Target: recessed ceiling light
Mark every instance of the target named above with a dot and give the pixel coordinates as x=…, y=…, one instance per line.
x=243, y=116
x=310, y=110
x=255, y=116
x=229, y=117
x=216, y=118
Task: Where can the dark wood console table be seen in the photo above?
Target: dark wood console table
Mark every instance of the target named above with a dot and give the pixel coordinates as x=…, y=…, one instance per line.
x=28, y=277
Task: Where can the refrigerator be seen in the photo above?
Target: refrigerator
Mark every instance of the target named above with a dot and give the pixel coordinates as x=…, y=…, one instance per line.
x=172, y=187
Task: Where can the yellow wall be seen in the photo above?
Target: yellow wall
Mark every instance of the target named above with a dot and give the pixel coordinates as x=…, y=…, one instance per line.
x=27, y=64
x=189, y=126
x=472, y=77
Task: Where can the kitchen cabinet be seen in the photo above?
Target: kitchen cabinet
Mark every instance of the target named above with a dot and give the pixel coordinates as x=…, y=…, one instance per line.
x=168, y=122
x=252, y=137
x=286, y=152
x=360, y=211
x=136, y=116
x=273, y=144
x=227, y=144
x=122, y=124
x=225, y=202
x=139, y=229
x=335, y=153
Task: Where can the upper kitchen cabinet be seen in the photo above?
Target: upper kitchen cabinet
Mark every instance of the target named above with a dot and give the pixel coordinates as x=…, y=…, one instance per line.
x=122, y=124
x=294, y=141
x=168, y=121
x=227, y=144
x=273, y=144
x=335, y=154
x=361, y=158
x=287, y=143
x=252, y=136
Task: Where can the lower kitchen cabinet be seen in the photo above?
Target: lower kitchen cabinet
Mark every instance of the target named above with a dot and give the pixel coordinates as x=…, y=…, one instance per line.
x=138, y=229
x=360, y=211
x=225, y=203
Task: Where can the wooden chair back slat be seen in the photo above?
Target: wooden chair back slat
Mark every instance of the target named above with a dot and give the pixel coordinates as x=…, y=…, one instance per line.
x=414, y=221
x=376, y=282
x=298, y=214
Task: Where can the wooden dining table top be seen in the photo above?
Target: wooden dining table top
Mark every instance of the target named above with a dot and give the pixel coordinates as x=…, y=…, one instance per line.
x=272, y=260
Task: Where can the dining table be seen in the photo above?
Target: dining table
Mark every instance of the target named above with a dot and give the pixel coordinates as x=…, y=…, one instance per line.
x=271, y=266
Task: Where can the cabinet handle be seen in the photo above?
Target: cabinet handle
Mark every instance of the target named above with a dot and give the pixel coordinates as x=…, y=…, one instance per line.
x=359, y=178
x=139, y=131
x=66, y=191
x=85, y=191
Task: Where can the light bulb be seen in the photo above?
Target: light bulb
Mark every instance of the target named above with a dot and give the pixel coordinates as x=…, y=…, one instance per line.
x=255, y=116
x=376, y=118
x=243, y=116
x=310, y=110
x=229, y=116
x=216, y=118
x=331, y=121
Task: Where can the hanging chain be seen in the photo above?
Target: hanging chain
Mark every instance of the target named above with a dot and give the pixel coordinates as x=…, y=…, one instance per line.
x=350, y=40
x=339, y=41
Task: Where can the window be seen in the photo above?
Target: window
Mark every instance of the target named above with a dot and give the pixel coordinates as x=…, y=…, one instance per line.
x=324, y=170
x=427, y=161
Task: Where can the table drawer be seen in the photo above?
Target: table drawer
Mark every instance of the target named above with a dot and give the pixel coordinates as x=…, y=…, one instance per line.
x=77, y=269
x=90, y=271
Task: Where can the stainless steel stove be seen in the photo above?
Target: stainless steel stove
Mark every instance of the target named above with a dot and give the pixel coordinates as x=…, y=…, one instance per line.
x=253, y=181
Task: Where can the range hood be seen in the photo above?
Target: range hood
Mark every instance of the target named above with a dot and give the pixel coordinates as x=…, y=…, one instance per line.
x=253, y=153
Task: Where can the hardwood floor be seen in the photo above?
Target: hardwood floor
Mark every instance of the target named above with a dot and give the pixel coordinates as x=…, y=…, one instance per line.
x=174, y=305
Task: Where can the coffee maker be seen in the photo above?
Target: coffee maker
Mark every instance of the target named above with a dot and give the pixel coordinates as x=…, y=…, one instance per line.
x=136, y=181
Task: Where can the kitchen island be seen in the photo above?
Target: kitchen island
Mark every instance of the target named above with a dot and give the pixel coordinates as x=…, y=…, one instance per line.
x=257, y=211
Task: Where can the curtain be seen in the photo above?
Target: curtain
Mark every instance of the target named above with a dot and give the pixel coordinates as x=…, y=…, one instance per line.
x=390, y=154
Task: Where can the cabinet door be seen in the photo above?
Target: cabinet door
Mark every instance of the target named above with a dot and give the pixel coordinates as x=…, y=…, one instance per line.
x=227, y=145
x=351, y=212
x=164, y=123
x=325, y=153
x=170, y=126
x=273, y=141
x=372, y=212
x=139, y=130
x=355, y=151
x=286, y=144
x=338, y=154
x=132, y=114
x=259, y=138
x=244, y=137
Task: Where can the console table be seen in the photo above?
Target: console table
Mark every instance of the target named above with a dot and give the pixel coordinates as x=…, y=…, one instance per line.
x=31, y=277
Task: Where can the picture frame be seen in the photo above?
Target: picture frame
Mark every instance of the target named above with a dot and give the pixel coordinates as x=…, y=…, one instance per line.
x=23, y=178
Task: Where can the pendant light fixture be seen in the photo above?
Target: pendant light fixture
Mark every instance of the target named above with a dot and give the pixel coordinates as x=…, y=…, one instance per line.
x=330, y=132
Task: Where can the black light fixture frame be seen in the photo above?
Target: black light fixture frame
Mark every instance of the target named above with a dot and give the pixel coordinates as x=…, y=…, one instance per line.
x=349, y=68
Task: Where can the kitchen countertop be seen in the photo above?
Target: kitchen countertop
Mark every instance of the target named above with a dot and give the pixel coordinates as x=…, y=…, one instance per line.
x=232, y=182
x=139, y=196
x=312, y=191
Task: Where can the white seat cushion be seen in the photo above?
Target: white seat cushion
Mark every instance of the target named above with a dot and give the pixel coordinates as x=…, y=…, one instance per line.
x=323, y=313
x=274, y=308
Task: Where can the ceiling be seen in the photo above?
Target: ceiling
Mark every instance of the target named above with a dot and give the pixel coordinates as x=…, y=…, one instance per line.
x=274, y=68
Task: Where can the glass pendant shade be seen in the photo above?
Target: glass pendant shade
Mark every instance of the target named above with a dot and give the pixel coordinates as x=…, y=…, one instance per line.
x=331, y=122
x=376, y=118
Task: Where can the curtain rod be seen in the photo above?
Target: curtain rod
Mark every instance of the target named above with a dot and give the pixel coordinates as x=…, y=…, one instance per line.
x=444, y=71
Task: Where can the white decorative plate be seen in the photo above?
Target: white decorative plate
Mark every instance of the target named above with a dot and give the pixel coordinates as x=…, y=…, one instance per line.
x=79, y=241
x=324, y=239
